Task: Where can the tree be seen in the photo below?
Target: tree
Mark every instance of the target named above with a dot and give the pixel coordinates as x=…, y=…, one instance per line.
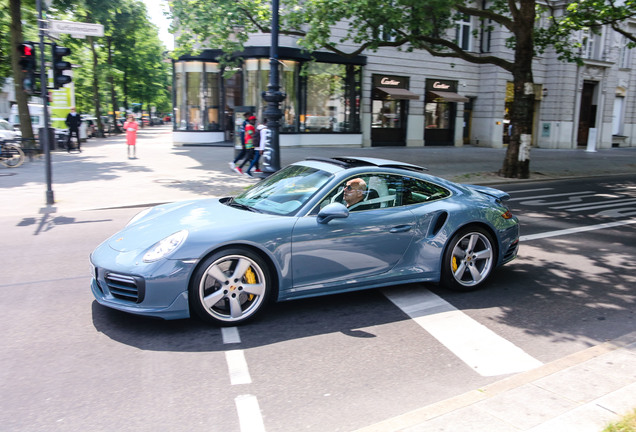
x=594, y=13
x=18, y=76
x=412, y=24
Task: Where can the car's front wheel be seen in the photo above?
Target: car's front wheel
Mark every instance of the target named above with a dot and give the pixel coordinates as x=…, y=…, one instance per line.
x=469, y=259
x=231, y=287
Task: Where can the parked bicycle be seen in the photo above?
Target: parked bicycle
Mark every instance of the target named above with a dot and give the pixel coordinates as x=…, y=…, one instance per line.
x=11, y=155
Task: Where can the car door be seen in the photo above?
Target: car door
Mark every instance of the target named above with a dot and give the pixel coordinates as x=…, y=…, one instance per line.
x=363, y=245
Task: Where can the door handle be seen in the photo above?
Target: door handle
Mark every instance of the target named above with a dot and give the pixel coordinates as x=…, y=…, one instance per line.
x=401, y=228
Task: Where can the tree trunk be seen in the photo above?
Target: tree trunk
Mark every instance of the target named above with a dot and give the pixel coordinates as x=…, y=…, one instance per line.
x=20, y=96
x=111, y=80
x=517, y=161
x=98, y=112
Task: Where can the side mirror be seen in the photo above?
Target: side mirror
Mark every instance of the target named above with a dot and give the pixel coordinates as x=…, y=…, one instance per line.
x=332, y=211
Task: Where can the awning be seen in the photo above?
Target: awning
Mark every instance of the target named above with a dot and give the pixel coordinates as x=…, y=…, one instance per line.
x=450, y=96
x=397, y=93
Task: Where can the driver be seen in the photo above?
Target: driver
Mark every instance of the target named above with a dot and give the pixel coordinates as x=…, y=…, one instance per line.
x=354, y=191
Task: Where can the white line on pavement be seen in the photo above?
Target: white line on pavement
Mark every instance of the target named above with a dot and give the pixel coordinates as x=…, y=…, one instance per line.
x=606, y=204
x=531, y=198
x=237, y=366
x=480, y=348
x=576, y=230
x=230, y=335
x=249, y=414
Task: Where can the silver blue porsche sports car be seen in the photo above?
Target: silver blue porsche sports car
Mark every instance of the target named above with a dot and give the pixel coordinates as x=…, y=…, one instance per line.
x=320, y=226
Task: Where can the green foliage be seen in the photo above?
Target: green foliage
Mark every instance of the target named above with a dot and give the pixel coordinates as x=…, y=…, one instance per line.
x=137, y=64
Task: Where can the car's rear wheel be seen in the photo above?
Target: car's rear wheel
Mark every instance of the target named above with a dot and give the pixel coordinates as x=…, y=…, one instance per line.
x=469, y=259
x=231, y=287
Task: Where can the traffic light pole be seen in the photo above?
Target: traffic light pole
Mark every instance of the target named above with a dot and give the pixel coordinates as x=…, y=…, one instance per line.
x=45, y=137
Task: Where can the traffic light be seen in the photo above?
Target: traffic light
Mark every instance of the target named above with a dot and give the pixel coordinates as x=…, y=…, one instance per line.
x=59, y=65
x=28, y=64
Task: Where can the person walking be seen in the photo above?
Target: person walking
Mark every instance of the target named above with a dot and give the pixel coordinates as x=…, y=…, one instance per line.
x=264, y=134
x=243, y=151
x=73, y=121
x=131, y=128
x=251, y=140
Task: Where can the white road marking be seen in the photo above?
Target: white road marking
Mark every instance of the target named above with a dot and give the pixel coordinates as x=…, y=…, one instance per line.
x=479, y=347
x=237, y=366
x=594, y=206
x=249, y=414
x=530, y=198
x=230, y=335
x=576, y=230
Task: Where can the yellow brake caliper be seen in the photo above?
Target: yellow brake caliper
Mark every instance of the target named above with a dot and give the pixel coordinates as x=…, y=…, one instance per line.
x=250, y=278
x=454, y=264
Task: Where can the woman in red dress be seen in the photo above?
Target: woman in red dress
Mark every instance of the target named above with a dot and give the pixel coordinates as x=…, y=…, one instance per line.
x=131, y=127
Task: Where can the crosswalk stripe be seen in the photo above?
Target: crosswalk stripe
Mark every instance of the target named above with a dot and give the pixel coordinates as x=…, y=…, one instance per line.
x=480, y=348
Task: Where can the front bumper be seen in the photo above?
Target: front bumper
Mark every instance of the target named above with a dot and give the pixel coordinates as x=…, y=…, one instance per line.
x=157, y=289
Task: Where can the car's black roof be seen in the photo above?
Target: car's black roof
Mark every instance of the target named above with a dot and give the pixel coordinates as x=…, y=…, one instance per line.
x=352, y=162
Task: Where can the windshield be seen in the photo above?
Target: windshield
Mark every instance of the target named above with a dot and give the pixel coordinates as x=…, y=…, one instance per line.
x=285, y=191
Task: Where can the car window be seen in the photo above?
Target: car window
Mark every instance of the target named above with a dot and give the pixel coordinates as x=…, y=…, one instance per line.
x=378, y=193
x=286, y=191
x=416, y=191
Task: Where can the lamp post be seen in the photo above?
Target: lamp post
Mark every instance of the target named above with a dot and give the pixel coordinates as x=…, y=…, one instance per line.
x=273, y=96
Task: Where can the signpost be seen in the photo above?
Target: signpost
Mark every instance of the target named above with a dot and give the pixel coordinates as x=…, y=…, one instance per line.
x=76, y=28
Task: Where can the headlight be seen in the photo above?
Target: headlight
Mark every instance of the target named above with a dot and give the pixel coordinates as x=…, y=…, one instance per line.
x=165, y=247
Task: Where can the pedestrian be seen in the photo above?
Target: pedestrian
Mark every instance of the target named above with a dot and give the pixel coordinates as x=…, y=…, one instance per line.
x=243, y=151
x=264, y=135
x=73, y=121
x=131, y=128
x=251, y=141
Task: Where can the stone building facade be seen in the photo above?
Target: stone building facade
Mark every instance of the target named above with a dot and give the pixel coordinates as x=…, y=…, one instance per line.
x=396, y=98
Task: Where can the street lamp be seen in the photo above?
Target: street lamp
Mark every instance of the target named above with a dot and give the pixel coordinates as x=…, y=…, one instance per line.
x=273, y=96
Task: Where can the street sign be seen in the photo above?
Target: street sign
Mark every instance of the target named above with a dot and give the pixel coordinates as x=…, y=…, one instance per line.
x=76, y=28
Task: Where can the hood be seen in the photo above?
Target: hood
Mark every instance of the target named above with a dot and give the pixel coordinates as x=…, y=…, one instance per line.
x=197, y=215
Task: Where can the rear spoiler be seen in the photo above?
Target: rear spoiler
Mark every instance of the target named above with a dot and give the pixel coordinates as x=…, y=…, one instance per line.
x=495, y=193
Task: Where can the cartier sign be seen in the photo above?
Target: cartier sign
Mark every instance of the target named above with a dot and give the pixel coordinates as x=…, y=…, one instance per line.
x=389, y=81
x=440, y=86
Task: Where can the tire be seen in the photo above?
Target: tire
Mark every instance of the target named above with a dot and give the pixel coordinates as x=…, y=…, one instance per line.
x=12, y=156
x=230, y=287
x=469, y=259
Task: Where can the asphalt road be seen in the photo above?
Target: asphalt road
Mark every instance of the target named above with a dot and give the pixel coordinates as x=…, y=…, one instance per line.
x=336, y=363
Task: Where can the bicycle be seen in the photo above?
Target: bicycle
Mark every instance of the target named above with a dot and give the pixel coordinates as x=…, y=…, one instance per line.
x=11, y=155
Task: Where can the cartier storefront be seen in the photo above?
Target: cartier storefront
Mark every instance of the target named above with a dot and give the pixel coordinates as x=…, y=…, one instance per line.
x=389, y=109
x=440, y=111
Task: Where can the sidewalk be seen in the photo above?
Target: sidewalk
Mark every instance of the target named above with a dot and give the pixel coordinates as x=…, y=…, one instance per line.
x=103, y=177
x=581, y=392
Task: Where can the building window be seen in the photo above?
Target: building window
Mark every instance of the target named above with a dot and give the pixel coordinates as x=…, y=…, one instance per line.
x=625, y=55
x=463, y=31
x=331, y=98
x=592, y=44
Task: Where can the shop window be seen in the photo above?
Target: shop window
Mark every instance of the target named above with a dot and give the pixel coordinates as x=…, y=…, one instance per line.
x=194, y=76
x=179, y=122
x=331, y=98
x=256, y=80
x=211, y=98
x=438, y=115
